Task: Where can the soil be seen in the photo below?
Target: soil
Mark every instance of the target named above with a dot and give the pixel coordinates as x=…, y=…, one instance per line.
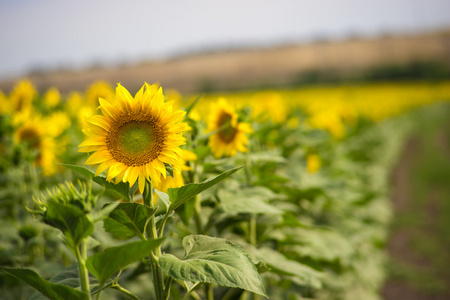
x=419, y=246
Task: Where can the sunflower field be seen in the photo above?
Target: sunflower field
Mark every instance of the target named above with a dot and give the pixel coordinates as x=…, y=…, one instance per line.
x=280, y=194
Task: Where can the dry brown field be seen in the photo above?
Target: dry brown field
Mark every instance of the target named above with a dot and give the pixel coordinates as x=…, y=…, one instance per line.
x=276, y=66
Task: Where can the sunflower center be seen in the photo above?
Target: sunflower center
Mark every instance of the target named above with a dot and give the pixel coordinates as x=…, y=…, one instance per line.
x=228, y=133
x=135, y=139
x=31, y=137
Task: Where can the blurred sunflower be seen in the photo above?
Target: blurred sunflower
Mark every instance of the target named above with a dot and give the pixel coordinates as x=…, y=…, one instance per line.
x=33, y=134
x=52, y=97
x=135, y=137
x=269, y=105
x=99, y=89
x=3, y=103
x=231, y=135
x=22, y=96
x=313, y=163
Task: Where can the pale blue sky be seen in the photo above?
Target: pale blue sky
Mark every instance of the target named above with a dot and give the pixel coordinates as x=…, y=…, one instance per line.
x=62, y=33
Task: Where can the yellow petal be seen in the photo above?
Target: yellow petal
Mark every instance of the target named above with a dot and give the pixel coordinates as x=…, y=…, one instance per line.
x=141, y=183
x=115, y=170
x=93, y=142
x=119, y=177
x=100, y=121
x=159, y=166
x=123, y=94
x=103, y=166
x=108, y=109
x=132, y=175
x=98, y=157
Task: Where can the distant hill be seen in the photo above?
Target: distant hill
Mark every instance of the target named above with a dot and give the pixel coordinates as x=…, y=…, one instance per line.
x=386, y=57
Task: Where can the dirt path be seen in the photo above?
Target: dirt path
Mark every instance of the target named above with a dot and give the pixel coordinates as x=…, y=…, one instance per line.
x=420, y=241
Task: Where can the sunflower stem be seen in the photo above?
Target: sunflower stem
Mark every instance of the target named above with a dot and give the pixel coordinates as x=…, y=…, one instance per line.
x=80, y=253
x=158, y=280
x=248, y=175
x=252, y=225
x=210, y=291
x=125, y=291
x=188, y=294
x=197, y=207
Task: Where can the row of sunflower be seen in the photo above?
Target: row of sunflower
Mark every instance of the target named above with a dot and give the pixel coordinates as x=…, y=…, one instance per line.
x=171, y=214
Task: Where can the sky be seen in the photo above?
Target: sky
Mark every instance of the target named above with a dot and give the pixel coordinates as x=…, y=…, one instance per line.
x=52, y=34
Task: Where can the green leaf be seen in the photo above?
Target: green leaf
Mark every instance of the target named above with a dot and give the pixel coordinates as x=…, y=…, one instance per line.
x=279, y=264
x=162, y=203
x=249, y=200
x=47, y=288
x=181, y=195
x=213, y=260
x=121, y=190
x=70, y=220
x=320, y=244
x=104, y=264
x=128, y=220
x=185, y=212
x=104, y=212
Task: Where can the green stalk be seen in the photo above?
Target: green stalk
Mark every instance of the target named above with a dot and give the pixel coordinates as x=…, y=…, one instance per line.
x=84, y=275
x=210, y=292
x=197, y=206
x=188, y=294
x=167, y=285
x=158, y=280
x=252, y=229
x=125, y=291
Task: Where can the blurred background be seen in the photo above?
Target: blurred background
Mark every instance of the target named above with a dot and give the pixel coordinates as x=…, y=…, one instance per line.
x=200, y=47
x=197, y=46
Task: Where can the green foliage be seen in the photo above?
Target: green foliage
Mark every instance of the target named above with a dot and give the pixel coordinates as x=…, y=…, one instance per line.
x=128, y=220
x=104, y=264
x=47, y=288
x=247, y=200
x=70, y=220
x=281, y=265
x=179, y=196
x=214, y=260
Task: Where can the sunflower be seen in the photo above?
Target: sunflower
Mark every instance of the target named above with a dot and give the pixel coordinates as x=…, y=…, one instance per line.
x=231, y=135
x=313, y=163
x=135, y=137
x=269, y=105
x=99, y=89
x=33, y=133
x=22, y=96
x=52, y=97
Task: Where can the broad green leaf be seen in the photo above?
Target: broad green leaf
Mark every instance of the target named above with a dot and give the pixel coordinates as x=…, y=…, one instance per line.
x=162, y=203
x=51, y=290
x=68, y=276
x=250, y=201
x=213, y=260
x=121, y=190
x=181, y=195
x=185, y=212
x=104, y=264
x=319, y=244
x=70, y=220
x=104, y=212
x=279, y=264
x=128, y=220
